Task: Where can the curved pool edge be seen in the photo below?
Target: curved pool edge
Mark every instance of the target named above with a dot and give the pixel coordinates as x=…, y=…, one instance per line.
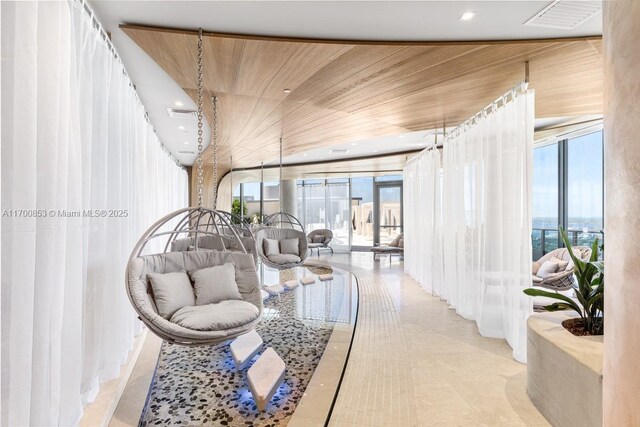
x=318, y=401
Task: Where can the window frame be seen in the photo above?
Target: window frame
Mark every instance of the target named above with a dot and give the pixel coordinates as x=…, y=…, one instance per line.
x=562, y=142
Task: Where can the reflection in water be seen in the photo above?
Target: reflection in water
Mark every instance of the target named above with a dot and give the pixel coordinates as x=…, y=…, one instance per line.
x=328, y=301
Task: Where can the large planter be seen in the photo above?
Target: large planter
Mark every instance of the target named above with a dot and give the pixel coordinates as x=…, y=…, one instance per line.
x=564, y=372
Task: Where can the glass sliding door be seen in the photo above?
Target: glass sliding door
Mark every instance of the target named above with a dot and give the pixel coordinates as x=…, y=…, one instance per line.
x=388, y=213
x=324, y=204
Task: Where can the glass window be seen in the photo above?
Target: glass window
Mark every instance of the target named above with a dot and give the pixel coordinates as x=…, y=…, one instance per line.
x=389, y=178
x=235, y=208
x=251, y=200
x=580, y=176
x=338, y=181
x=314, y=207
x=545, y=200
x=337, y=216
x=390, y=216
x=362, y=211
x=271, y=194
x=585, y=188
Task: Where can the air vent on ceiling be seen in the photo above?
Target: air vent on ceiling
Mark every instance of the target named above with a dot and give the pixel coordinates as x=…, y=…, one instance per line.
x=186, y=152
x=565, y=15
x=338, y=151
x=179, y=113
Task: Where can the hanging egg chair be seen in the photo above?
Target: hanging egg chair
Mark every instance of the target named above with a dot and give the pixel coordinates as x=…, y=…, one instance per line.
x=281, y=243
x=159, y=287
x=283, y=220
x=191, y=278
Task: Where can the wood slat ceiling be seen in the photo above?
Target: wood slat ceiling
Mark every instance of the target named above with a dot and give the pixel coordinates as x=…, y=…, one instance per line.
x=348, y=91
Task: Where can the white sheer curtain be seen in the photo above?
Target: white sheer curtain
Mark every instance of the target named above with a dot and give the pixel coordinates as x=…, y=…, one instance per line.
x=74, y=138
x=423, y=220
x=485, y=218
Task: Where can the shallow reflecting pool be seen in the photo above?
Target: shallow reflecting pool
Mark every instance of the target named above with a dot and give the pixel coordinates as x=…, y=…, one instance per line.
x=201, y=385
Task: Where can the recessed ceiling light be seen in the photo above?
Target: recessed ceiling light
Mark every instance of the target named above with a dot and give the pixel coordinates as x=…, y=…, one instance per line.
x=179, y=104
x=353, y=144
x=400, y=136
x=181, y=127
x=186, y=143
x=375, y=151
x=304, y=155
x=467, y=16
x=287, y=91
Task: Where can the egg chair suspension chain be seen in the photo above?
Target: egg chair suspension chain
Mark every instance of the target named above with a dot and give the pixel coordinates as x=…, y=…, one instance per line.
x=214, y=142
x=199, y=101
x=280, y=184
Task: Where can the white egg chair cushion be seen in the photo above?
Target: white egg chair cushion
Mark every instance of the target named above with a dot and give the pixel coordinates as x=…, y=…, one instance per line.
x=220, y=316
x=171, y=292
x=141, y=293
x=281, y=260
x=214, y=284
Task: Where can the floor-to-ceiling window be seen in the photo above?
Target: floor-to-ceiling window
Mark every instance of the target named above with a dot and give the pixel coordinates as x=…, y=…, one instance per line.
x=388, y=209
x=585, y=188
x=568, y=191
x=362, y=212
x=545, y=200
x=271, y=194
x=337, y=212
x=325, y=204
x=251, y=200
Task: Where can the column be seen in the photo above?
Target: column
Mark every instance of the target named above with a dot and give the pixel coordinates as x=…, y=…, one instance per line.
x=289, y=197
x=621, y=388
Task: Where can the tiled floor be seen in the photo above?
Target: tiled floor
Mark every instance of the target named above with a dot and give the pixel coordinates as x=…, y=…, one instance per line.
x=416, y=363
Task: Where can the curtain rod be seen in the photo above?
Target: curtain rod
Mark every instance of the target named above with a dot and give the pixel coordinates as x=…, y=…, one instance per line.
x=522, y=87
x=104, y=35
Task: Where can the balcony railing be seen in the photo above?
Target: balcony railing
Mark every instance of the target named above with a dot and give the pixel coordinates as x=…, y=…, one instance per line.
x=545, y=240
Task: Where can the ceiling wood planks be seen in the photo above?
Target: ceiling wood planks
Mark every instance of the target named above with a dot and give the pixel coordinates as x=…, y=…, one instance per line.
x=349, y=91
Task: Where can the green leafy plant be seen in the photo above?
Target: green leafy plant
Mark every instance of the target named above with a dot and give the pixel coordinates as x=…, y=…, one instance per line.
x=589, y=290
x=235, y=207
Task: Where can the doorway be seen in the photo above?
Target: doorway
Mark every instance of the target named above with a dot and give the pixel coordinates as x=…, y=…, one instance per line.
x=387, y=210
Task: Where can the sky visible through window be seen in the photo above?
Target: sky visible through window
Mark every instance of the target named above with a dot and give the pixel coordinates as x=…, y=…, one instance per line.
x=584, y=184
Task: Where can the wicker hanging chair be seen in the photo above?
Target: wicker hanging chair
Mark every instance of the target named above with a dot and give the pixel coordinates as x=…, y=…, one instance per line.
x=153, y=255
x=186, y=241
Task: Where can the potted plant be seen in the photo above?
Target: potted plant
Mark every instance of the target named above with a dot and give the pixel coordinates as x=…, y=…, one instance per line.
x=589, y=290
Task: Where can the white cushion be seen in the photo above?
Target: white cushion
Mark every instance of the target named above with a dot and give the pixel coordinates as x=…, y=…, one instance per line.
x=180, y=245
x=284, y=259
x=289, y=246
x=213, y=317
x=271, y=247
x=547, y=268
x=171, y=292
x=561, y=264
x=215, y=284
